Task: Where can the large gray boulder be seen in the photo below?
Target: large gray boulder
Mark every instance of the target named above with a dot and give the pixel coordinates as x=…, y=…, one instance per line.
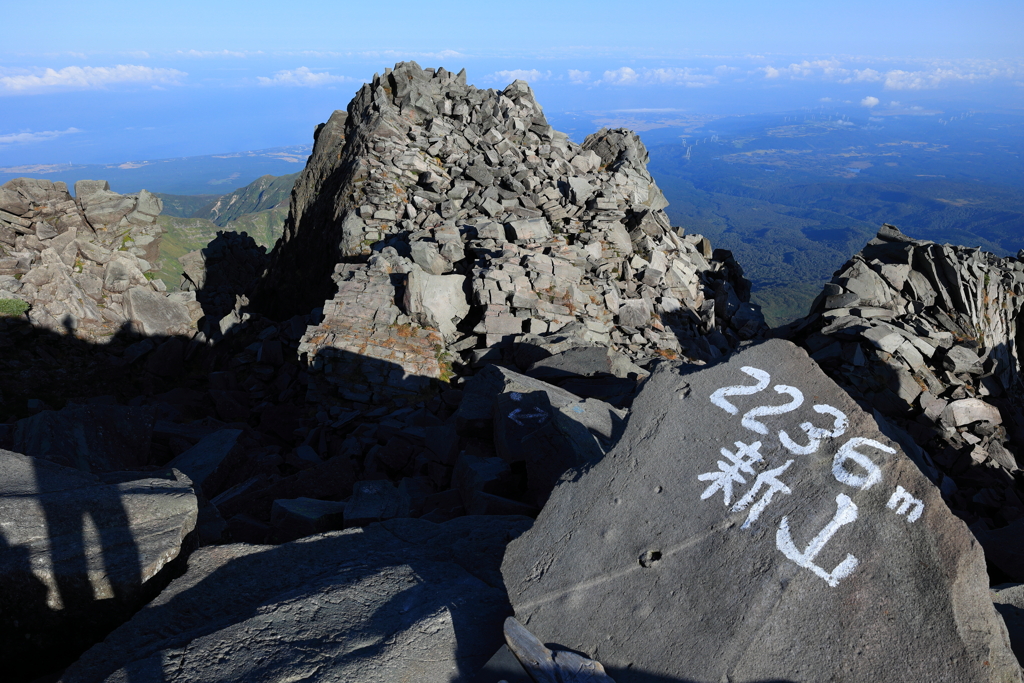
x=155, y=313
x=436, y=300
x=77, y=555
x=754, y=524
x=404, y=600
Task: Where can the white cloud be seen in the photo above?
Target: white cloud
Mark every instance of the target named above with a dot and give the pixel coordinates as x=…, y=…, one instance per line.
x=303, y=77
x=869, y=102
x=688, y=77
x=519, y=75
x=90, y=77
x=863, y=76
x=38, y=136
x=576, y=76
x=724, y=70
x=935, y=78
x=806, y=69
x=928, y=74
x=678, y=76
x=623, y=76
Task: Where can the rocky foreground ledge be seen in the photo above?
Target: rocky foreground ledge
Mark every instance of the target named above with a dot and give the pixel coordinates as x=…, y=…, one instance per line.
x=481, y=376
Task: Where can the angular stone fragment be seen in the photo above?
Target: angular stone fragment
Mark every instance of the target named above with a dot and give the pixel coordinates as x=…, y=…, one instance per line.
x=406, y=600
x=436, y=300
x=427, y=257
x=634, y=313
x=155, y=313
x=528, y=429
x=969, y=410
x=77, y=555
x=528, y=230
x=477, y=409
x=749, y=525
x=960, y=359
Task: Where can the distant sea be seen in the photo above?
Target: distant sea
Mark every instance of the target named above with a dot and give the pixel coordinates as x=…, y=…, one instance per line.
x=213, y=174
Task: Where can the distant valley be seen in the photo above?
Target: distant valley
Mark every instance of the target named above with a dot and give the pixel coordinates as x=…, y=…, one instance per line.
x=192, y=221
x=795, y=195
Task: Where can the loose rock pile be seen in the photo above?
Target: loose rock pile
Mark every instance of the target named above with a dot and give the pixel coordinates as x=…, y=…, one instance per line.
x=81, y=263
x=492, y=229
x=927, y=335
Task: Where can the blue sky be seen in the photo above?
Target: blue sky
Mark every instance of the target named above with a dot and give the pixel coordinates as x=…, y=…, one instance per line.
x=116, y=81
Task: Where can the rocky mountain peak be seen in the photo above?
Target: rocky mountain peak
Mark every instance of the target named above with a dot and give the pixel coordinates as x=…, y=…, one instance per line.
x=467, y=215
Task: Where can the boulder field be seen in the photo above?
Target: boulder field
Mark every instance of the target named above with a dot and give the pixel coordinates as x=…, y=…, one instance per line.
x=483, y=414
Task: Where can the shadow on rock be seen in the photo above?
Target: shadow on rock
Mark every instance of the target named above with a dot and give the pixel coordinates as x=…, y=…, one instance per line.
x=402, y=598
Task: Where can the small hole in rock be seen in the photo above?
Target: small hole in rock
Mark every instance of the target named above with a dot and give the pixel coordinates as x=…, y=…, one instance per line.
x=649, y=558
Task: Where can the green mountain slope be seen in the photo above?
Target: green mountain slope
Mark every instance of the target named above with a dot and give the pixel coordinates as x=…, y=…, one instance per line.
x=181, y=235
x=184, y=205
x=190, y=222
x=262, y=194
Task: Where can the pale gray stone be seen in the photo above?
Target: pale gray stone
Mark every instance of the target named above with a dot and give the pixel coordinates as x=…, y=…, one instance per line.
x=970, y=410
x=155, y=313
x=436, y=301
x=528, y=230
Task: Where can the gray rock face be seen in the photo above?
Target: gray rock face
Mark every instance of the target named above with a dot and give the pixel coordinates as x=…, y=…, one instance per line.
x=752, y=524
x=79, y=257
x=402, y=600
x=77, y=555
x=936, y=352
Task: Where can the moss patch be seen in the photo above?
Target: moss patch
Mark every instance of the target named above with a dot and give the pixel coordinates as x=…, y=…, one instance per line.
x=12, y=307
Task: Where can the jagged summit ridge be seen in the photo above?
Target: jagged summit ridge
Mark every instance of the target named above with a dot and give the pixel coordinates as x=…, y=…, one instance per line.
x=477, y=219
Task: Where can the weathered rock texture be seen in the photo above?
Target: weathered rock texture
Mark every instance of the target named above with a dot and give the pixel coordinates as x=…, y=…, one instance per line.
x=928, y=335
x=81, y=262
x=403, y=600
x=438, y=219
x=78, y=555
x=743, y=533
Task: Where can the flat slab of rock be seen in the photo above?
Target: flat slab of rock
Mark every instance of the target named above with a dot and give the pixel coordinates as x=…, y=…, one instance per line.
x=76, y=554
x=405, y=600
x=754, y=524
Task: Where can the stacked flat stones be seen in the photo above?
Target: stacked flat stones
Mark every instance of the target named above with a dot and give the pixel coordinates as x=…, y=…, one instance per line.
x=492, y=228
x=81, y=262
x=926, y=335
